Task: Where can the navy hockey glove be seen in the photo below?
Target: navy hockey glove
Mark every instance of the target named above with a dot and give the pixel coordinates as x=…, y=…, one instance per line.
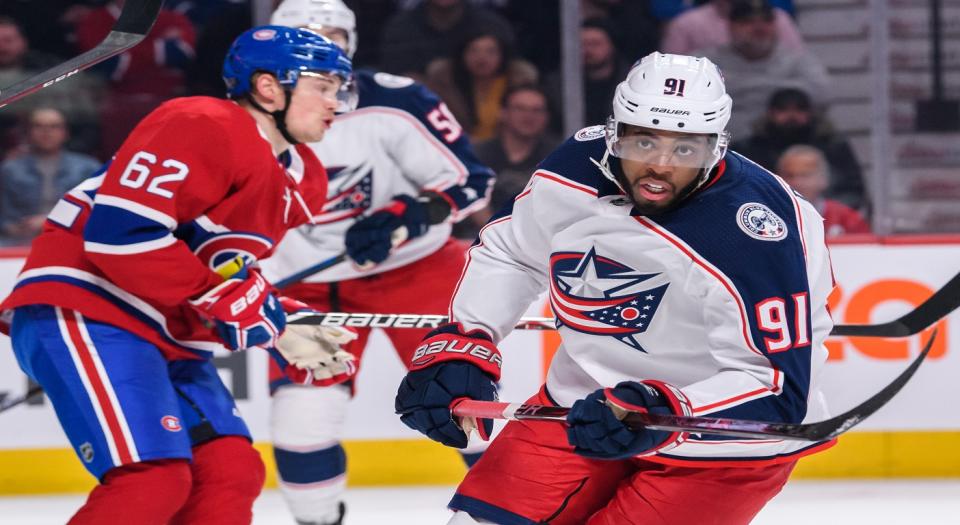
x=596, y=431
x=243, y=309
x=448, y=365
x=370, y=240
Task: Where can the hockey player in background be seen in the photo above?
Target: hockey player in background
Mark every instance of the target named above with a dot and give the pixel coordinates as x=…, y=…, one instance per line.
x=148, y=266
x=400, y=161
x=686, y=280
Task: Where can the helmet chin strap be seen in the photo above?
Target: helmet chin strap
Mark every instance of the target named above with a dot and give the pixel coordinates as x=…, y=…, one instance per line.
x=279, y=116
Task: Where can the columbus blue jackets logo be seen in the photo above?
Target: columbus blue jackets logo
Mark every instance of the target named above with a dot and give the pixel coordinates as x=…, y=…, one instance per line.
x=759, y=222
x=589, y=133
x=349, y=193
x=599, y=296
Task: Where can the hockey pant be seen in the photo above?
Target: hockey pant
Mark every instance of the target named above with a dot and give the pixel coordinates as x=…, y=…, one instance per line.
x=530, y=475
x=164, y=438
x=307, y=422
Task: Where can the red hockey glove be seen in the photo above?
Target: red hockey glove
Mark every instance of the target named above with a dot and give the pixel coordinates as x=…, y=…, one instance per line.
x=245, y=312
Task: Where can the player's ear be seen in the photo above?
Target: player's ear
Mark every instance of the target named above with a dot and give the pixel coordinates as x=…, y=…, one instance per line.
x=267, y=91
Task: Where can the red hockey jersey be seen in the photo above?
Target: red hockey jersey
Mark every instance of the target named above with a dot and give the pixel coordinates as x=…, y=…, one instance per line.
x=195, y=184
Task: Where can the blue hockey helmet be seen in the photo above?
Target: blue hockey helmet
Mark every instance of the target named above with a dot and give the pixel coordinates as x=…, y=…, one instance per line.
x=285, y=53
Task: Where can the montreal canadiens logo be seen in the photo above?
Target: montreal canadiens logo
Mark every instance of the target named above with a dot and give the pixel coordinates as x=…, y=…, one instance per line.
x=264, y=34
x=600, y=296
x=590, y=133
x=171, y=423
x=759, y=222
x=219, y=248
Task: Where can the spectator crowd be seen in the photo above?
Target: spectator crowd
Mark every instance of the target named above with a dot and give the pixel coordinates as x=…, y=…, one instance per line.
x=495, y=63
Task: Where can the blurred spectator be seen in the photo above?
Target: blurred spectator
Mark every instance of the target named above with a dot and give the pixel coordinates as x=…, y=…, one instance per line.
x=372, y=18
x=31, y=183
x=603, y=69
x=414, y=38
x=755, y=65
x=708, y=26
x=630, y=24
x=77, y=97
x=536, y=25
x=472, y=82
x=791, y=120
x=48, y=24
x=806, y=170
x=522, y=142
x=155, y=66
x=142, y=77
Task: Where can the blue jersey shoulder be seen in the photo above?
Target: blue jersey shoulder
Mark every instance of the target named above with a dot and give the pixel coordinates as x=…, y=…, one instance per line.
x=574, y=160
x=383, y=89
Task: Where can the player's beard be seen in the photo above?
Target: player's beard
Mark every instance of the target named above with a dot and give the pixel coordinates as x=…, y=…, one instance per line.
x=649, y=208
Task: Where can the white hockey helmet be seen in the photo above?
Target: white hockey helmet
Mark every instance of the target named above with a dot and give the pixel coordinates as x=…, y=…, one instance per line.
x=316, y=15
x=677, y=93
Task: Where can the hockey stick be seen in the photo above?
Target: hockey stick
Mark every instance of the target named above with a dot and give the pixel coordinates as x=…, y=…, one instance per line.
x=7, y=404
x=936, y=307
x=820, y=431
x=136, y=19
x=396, y=238
x=307, y=272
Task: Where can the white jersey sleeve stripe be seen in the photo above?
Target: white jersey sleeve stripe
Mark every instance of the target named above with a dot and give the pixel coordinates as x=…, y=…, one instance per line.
x=127, y=249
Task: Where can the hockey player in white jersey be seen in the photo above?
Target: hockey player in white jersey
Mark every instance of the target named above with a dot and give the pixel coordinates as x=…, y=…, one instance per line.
x=685, y=279
x=399, y=160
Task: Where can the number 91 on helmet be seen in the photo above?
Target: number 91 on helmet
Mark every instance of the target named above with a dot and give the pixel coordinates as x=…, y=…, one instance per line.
x=672, y=110
x=287, y=53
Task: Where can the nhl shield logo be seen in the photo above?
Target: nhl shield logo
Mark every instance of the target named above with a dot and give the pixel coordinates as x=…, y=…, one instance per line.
x=759, y=222
x=86, y=452
x=599, y=296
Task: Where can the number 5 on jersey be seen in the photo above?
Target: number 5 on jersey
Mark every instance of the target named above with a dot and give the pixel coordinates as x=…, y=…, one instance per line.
x=772, y=317
x=138, y=171
x=444, y=122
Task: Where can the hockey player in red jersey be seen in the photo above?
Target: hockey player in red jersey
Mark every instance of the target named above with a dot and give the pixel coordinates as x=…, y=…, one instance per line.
x=149, y=265
x=399, y=161
x=685, y=279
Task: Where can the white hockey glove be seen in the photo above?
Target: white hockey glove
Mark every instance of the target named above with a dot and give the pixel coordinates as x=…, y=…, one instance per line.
x=315, y=354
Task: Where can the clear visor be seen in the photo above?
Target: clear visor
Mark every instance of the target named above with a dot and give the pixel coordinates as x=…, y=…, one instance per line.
x=665, y=148
x=343, y=89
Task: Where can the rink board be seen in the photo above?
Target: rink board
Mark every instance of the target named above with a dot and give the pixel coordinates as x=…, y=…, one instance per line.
x=916, y=435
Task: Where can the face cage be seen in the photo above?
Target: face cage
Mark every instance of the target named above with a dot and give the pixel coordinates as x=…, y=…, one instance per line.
x=618, y=146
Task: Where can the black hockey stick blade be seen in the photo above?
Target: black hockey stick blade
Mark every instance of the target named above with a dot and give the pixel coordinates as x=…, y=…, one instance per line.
x=7, y=404
x=136, y=19
x=820, y=431
x=936, y=307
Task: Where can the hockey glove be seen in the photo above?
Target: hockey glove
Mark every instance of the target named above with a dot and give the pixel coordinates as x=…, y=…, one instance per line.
x=447, y=366
x=370, y=240
x=244, y=311
x=596, y=430
x=314, y=355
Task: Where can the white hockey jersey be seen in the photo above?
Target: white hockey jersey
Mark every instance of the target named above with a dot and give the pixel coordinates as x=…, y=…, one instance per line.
x=724, y=297
x=401, y=139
